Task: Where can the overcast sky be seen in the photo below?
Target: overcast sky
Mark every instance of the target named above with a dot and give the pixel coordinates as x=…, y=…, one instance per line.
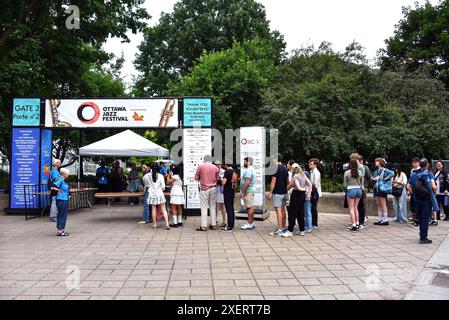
x=302, y=22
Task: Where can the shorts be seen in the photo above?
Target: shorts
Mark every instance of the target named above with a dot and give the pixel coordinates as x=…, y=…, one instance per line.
x=379, y=194
x=279, y=200
x=220, y=197
x=249, y=200
x=354, y=193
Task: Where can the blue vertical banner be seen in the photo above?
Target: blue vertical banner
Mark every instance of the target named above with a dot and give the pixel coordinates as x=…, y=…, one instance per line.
x=24, y=164
x=46, y=155
x=26, y=112
x=197, y=112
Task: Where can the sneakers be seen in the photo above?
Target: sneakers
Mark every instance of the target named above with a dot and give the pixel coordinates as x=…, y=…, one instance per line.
x=381, y=223
x=248, y=226
x=174, y=225
x=362, y=226
x=179, y=224
x=300, y=233
x=353, y=228
x=287, y=234
x=415, y=225
x=433, y=223
x=225, y=229
x=277, y=233
x=378, y=223
x=308, y=230
x=142, y=222
x=315, y=227
x=427, y=241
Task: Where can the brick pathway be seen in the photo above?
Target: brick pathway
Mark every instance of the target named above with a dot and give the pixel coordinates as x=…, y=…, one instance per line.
x=118, y=259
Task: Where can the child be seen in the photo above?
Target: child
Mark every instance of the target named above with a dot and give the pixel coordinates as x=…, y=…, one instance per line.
x=177, y=198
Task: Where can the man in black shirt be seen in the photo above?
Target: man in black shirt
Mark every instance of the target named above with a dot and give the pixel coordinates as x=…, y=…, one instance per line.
x=278, y=195
x=228, y=193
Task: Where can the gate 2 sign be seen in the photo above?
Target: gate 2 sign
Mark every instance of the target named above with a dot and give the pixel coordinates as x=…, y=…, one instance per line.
x=26, y=112
x=106, y=113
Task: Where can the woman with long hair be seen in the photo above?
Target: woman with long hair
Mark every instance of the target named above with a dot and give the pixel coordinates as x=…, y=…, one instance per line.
x=353, y=183
x=177, y=199
x=400, y=200
x=381, y=175
x=156, y=196
x=302, y=190
x=442, y=193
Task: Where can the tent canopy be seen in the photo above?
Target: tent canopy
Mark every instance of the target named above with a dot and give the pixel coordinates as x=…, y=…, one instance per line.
x=124, y=144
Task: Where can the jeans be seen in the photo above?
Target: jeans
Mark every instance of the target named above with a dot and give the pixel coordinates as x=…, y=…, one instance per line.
x=53, y=208
x=440, y=200
x=146, y=209
x=308, y=214
x=314, y=202
x=296, y=212
x=229, y=206
x=424, y=210
x=400, y=206
x=63, y=207
x=208, y=199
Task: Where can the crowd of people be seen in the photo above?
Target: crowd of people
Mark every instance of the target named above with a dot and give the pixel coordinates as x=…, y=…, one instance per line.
x=293, y=191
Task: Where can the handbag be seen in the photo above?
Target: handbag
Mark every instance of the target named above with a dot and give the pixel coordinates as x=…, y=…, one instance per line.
x=385, y=186
x=397, y=191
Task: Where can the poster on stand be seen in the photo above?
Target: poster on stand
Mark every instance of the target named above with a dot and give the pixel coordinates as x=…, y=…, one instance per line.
x=196, y=144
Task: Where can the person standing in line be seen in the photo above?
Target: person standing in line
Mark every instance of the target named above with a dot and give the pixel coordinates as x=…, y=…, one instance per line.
x=414, y=217
x=400, y=202
x=102, y=175
x=177, y=197
x=315, y=178
x=247, y=191
x=117, y=179
x=423, y=187
x=353, y=182
x=384, y=174
x=442, y=194
x=220, y=196
x=134, y=184
x=278, y=195
x=54, y=176
x=229, y=195
x=156, y=195
x=363, y=201
x=62, y=201
x=300, y=183
x=290, y=168
x=207, y=175
x=307, y=208
x=146, y=217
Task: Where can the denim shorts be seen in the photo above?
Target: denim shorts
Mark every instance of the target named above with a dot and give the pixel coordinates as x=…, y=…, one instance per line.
x=354, y=193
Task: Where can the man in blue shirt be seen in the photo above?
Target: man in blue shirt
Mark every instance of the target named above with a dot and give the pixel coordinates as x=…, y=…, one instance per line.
x=247, y=191
x=54, y=175
x=422, y=187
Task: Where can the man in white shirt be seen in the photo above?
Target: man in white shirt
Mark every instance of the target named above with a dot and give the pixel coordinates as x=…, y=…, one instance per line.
x=315, y=178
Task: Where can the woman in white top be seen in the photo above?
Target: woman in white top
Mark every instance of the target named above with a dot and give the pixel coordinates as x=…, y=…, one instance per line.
x=177, y=199
x=156, y=196
x=400, y=202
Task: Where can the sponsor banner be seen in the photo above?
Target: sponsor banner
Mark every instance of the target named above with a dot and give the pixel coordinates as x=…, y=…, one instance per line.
x=252, y=144
x=24, y=164
x=26, y=112
x=46, y=155
x=197, y=112
x=101, y=113
x=196, y=143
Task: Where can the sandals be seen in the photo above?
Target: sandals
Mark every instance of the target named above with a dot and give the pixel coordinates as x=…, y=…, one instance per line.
x=62, y=234
x=201, y=229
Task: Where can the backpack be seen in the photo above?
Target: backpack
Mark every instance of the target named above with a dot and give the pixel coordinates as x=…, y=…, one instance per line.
x=50, y=182
x=419, y=188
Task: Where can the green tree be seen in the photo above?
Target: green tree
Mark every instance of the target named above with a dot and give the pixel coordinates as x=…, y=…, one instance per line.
x=420, y=41
x=171, y=47
x=40, y=57
x=235, y=78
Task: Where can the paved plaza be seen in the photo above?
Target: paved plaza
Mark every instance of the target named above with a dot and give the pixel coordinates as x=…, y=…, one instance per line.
x=118, y=259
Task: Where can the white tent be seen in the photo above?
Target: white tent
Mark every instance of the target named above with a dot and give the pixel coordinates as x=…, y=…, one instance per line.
x=124, y=144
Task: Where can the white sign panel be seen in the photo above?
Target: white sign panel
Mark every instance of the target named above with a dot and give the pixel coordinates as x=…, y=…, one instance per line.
x=196, y=143
x=101, y=113
x=252, y=144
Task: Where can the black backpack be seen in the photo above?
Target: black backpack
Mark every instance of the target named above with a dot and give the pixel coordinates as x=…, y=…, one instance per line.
x=50, y=182
x=420, y=188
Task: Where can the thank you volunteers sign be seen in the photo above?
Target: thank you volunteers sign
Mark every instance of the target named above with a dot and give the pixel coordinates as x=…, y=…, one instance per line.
x=26, y=112
x=252, y=144
x=196, y=144
x=197, y=112
x=103, y=113
x=24, y=164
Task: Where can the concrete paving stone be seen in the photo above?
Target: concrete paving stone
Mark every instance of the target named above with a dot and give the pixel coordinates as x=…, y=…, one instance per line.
x=152, y=297
x=127, y=297
x=205, y=297
x=189, y=291
x=238, y=290
x=178, y=297
x=327, y=289
x=346, y=296
x=251, y=297
x=56, y=298
x=23, y=297
x=299, y=297
x=112, y=284
x=369, y=296
x=226, y=297
x=292, y=290
x=274, y=275
x=332, y=280
x=183, y=283
x=323, y=297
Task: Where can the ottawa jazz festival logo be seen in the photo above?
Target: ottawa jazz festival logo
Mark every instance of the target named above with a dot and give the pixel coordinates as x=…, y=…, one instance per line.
x=88, y=113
